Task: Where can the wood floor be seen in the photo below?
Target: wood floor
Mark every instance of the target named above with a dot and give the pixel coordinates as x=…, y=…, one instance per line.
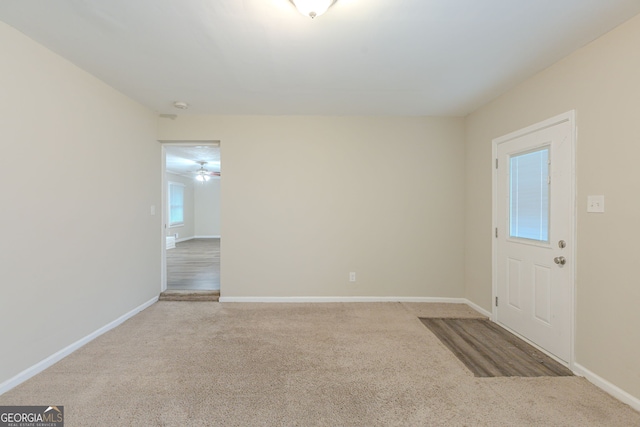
x=490, y=351
x=194, y=265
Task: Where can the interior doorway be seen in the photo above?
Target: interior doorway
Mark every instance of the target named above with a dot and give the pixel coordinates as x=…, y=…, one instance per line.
x=534, y=237
x=191, y=183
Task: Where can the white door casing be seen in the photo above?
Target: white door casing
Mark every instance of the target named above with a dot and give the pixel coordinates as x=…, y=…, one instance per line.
x=533, y=289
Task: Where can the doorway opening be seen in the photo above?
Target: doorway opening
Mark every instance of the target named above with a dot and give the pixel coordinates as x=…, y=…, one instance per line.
x=191, y=178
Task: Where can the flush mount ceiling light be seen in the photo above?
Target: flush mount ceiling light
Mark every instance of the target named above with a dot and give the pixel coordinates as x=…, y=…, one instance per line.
x=312, y=8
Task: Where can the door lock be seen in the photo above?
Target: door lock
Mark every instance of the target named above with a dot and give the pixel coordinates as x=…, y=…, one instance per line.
x=562, y=244
x=560, y=260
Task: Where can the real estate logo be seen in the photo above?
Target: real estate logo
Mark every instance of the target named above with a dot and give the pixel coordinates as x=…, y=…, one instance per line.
x=31, y=416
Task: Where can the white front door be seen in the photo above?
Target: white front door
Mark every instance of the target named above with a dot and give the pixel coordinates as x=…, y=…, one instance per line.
x=534, y=233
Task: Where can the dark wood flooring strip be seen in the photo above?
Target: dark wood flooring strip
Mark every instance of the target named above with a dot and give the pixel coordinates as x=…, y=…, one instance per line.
x=486, y=361
x=526, y=352
x=502, y=362
x=490, y=351
x=471, y=356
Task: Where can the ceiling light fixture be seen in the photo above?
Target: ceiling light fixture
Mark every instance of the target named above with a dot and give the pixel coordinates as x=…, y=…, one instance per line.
x=202, y=174
x=312, y=8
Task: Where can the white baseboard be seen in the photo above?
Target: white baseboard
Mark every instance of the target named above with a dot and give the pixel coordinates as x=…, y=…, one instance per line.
x=359, y=299
x=605, y=385
x=477, y=308
x=342, y=299
x=56, y=357
x=184, y=239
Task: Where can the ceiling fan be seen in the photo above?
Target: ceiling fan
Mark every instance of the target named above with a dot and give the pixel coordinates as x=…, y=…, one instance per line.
x=203, y=174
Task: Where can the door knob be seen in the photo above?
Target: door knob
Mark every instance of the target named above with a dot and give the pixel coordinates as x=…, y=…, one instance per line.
x=560, y=260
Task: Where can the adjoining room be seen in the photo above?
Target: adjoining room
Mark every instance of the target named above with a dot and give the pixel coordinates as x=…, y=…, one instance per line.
x=192, y=218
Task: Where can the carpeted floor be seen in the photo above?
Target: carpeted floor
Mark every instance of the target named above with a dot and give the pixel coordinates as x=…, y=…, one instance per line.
x=360, y=364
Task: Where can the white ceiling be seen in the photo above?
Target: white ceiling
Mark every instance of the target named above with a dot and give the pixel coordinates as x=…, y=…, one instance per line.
x=363, y=57
x=183, y=160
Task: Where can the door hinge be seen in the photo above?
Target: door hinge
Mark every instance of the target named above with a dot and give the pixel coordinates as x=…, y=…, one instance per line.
x=496, y=232
x=496, y=163
x=496, y=301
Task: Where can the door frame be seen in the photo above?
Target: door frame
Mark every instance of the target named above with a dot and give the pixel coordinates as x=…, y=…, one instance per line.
x=164, y=201
x=570, y=117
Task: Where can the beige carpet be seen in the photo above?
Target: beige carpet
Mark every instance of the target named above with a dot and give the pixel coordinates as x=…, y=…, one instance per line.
x=361, y=364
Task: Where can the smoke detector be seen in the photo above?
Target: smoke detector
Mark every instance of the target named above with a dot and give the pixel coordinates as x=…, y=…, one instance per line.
x=181, y=105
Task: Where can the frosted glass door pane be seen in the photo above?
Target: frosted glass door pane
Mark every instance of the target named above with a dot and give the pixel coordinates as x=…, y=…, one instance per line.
x=529, y=195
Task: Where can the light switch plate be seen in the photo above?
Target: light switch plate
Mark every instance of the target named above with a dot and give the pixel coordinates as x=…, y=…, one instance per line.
x=595, y=204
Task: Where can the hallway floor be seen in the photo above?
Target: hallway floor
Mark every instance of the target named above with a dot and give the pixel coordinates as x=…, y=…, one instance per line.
x=194, y=265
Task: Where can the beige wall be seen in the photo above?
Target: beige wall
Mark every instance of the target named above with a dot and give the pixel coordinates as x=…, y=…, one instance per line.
x=602, y=83
x=207, y=208
x=186, y=231
x=80, y=169
x=306, y=200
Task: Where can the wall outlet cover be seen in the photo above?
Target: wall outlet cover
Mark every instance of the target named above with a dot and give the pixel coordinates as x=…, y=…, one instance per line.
x=595, y=204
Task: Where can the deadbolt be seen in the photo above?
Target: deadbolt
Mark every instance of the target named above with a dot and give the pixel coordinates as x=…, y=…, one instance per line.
x=562, y=244
x=560, y=260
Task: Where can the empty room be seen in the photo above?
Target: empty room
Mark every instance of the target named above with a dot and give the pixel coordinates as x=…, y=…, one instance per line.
x=331, y=212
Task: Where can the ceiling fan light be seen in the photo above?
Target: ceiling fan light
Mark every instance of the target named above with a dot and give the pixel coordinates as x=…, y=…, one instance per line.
x=312, y=8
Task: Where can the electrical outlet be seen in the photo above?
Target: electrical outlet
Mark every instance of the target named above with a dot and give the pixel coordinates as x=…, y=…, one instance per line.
x=352, y=276
x=595, y=204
